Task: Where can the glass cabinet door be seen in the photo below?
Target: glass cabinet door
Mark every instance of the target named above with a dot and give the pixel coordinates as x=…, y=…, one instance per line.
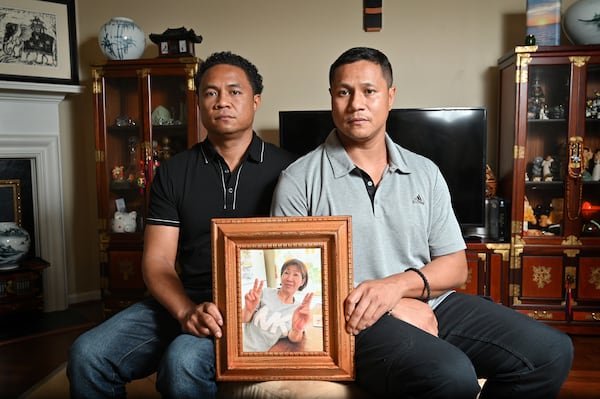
x=169, y=114
x=590, y=159
x=124, y=151
x=548, y=96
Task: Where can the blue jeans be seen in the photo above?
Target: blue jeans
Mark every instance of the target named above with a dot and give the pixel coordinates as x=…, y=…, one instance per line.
x=519, y=356
x=135, y=343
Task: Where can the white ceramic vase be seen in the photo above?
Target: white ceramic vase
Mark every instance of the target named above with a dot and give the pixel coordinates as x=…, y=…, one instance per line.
x=122, y=39
x=581, y=22
x=14, y=244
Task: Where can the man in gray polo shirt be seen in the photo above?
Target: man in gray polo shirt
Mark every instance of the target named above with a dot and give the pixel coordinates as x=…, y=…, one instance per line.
x=415, y=336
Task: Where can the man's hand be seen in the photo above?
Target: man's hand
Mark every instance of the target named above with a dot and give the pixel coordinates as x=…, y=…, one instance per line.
x=372, y=298
x=203, y=320
x=368, y=302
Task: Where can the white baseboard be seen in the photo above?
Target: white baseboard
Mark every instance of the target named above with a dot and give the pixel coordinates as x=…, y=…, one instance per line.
x=84, y=297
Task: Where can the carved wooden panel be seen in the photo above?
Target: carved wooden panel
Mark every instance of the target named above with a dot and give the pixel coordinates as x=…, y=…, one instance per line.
x=542, y=277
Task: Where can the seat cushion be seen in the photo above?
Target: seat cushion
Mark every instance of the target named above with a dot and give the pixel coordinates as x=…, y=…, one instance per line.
x=288, y=389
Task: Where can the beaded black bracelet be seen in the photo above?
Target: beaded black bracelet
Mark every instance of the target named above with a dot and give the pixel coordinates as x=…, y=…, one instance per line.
x=425, y=283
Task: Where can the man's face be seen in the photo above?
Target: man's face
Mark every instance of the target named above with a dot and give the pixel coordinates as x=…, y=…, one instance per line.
x=227, y=104
x=360, y=101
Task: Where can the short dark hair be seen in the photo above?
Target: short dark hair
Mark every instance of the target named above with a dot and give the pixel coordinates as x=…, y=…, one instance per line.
x=364, y=54
x=301, y=266
x=228, y=58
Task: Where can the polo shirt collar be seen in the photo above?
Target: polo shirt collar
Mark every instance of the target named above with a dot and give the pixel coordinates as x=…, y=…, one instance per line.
x=343, y=165
x=397, y=161
x=254, y=153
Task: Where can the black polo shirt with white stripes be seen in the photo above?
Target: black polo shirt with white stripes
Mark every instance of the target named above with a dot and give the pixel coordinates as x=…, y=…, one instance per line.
x=196, y=185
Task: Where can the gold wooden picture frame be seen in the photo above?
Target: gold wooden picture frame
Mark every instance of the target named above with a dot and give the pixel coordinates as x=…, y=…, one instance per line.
x=246, y=250
x=10, y=201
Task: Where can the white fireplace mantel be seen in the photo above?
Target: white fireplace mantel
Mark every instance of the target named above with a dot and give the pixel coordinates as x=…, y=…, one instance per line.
x=29, y=128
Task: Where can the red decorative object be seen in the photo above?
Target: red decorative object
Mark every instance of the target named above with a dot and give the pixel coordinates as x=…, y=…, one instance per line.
x=590, y=211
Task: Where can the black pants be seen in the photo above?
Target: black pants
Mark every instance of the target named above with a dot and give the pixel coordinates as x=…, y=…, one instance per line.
x=519, y=356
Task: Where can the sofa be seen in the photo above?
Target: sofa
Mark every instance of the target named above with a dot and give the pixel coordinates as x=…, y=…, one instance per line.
x=56, y=385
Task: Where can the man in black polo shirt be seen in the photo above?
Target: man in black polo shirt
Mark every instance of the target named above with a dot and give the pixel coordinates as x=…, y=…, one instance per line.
x=230, y=174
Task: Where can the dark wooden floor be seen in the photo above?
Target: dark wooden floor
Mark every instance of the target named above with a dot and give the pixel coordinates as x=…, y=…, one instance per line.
x=25, y=362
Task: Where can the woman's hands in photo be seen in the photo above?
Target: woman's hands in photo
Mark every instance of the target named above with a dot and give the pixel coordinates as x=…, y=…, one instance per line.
x=302, y=313
x=252, y=298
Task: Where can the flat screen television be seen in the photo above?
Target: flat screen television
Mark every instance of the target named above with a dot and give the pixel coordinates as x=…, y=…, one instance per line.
x=453, y=138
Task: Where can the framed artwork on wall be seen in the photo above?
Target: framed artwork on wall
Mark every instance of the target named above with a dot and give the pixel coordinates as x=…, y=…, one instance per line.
x=280, y=284
x=39, y=42
x=10, y=201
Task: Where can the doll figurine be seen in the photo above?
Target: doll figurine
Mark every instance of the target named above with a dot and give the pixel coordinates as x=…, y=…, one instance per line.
x=546, y=168
x=536, y=169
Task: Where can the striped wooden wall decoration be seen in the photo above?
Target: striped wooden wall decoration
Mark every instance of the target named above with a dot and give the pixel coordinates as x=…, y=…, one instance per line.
x=372, y=15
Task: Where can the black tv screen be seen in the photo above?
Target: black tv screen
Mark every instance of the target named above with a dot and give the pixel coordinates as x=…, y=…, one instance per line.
x=453, y=138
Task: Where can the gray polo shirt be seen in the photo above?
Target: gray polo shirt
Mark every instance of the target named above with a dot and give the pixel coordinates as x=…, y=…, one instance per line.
x=410, y=220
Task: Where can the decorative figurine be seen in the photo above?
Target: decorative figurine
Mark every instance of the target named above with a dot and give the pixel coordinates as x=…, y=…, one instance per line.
x=124, y=222
x=118, y=173
x=176, y=42
x=596, y=168
x=536, y=169
x=530, y=40
x=542, y=215
x=556, y=210
x=536, y=100
x=546, y=168
x=544, y=112
x=528, y=216
x=166, y=148
x=490, y=182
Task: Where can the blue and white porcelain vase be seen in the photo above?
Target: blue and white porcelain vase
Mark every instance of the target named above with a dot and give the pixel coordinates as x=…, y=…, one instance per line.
x=581, y=22
x=122, y=39
x=14, y=245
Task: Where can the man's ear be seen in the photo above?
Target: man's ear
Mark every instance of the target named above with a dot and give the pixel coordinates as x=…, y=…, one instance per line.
x=391, y=97
x=257, y=101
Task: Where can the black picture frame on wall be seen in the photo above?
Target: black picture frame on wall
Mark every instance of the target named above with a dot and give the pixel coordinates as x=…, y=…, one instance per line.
x=38, y=41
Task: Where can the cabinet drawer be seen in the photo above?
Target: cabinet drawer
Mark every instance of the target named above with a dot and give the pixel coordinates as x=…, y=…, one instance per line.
x=125, y=270
x=544, y=314
x=542, y=277
x=587, y=316
x=589, y=278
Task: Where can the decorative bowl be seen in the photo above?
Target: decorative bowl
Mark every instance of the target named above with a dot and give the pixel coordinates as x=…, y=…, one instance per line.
x=14, y=244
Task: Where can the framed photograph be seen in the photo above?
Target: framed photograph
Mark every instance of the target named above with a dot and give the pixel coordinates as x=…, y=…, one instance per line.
x=280, y=284
x=10, y=201
x=39, y=43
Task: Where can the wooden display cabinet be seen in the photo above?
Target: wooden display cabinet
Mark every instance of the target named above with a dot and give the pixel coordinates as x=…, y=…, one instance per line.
x=549, y=114
x=144, y=111
x=488, y=266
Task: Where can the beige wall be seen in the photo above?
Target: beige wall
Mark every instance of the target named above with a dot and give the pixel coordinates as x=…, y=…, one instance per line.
x=443, y=52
